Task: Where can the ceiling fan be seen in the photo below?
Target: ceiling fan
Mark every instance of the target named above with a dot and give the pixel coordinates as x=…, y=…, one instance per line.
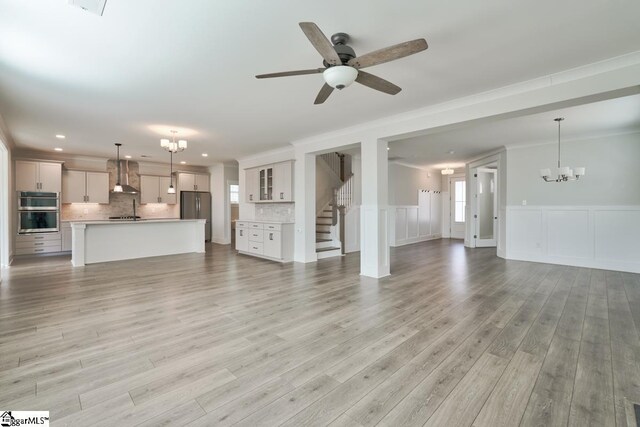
x=341, y=65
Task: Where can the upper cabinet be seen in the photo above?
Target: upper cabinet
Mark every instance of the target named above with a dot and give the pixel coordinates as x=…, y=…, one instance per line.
x=271, y=183
x=38, y=176
x=153, y=189
x=85, y=187
x=193, y=182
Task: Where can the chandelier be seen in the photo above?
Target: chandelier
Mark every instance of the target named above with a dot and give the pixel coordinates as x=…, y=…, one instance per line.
x=565, y=173
x=173, y=146
x=447, y=171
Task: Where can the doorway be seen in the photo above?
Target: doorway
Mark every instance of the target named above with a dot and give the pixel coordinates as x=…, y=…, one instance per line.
x=486, y=218
x=5, y=194
x=458, y=210
x=233, y=191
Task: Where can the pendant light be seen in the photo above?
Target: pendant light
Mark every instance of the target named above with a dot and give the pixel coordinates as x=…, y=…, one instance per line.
x=447, y=171
x=171, y=189
x=173, y=146
x=564, y=173
x=118, y=187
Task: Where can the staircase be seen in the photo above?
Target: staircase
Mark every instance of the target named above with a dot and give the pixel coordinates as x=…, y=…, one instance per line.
x=330, y=219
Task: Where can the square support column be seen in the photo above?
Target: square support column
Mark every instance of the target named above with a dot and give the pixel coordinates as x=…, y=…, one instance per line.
x=374, y=216
x=305, y=197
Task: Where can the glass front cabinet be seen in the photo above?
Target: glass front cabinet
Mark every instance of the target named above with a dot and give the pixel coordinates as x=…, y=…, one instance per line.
x=271, y=183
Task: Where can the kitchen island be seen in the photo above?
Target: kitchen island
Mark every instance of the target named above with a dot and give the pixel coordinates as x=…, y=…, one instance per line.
x=102, y=241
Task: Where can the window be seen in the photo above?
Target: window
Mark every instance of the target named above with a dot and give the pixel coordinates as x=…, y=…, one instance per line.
x=234, y=194
x=460, y=201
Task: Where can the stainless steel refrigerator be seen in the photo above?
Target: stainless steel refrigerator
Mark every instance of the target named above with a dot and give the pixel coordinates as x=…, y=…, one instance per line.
x=197, y=205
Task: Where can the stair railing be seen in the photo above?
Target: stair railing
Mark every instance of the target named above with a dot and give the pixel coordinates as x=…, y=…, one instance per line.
x=341, y=202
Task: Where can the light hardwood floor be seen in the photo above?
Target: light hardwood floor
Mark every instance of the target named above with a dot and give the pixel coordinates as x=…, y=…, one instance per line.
x=455, y=337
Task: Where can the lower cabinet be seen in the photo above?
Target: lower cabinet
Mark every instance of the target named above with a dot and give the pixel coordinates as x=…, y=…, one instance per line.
x=268, y=240
x=38, y=243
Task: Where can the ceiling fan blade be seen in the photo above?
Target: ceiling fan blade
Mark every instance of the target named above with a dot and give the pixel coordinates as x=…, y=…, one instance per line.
x=321, y=43
x=375, y=82
x=324, y=93
x=290, y=73
x=389, y=53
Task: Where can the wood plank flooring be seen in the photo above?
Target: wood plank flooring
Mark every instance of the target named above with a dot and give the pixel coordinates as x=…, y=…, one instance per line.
x=454, y=337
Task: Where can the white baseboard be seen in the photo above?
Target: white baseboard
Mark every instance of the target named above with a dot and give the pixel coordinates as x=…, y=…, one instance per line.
x=221, y=240
x=629, y=267
x=415, y=240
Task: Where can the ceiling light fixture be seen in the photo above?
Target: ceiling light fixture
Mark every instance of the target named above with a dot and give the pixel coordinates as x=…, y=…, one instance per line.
x=564, y=173
x=447, y=171
x=183, y=162
x=173, y=146
x=171, y=189
x=205, y=155
x=58, y=149
x=340, y=76
x=118, y=187
x=59, y=136
x=127, y=156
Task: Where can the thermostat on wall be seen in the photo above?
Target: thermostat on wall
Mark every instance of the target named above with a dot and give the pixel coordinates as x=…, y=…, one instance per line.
x=93, y=6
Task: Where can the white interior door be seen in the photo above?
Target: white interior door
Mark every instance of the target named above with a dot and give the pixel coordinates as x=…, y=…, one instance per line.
x=487, y=207
x=458, y=192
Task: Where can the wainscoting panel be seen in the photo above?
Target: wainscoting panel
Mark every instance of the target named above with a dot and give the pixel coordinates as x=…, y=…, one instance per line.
x=412, y=224
x=606, y=237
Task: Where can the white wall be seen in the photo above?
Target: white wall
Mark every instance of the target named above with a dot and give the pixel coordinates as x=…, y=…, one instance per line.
x=594, y=222
x=7, y=201
x=406, y=181
x=612, y=176
x=221, y=174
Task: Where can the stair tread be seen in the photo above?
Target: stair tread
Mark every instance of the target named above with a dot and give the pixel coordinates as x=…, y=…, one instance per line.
x=331, y=248
x=322, y=240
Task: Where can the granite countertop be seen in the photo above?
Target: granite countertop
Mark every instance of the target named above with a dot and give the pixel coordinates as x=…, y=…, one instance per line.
x=139, y=221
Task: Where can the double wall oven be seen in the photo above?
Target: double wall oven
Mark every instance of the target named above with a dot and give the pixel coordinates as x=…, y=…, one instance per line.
x=38, y=212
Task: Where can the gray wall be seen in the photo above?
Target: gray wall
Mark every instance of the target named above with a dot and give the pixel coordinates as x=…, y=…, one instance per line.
x=612, y=176
x=405, y=181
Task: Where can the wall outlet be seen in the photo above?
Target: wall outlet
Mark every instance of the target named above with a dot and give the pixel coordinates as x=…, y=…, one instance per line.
x=524, y=203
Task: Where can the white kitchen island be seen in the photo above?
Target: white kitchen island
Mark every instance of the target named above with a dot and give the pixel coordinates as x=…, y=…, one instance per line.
x=102, y=241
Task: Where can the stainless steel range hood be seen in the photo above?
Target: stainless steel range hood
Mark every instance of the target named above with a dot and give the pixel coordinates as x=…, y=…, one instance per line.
x=129, y=178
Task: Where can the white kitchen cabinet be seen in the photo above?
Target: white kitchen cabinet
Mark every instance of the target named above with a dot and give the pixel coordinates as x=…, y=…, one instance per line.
x=242, y=237
x=153, y=189
x=38, y=176
x=270, y=183
x=193, y=182
x=283, y=182
x=268, y=240
x=66, y=234
x=252, y=186
x=38, y=243
x=85, y=187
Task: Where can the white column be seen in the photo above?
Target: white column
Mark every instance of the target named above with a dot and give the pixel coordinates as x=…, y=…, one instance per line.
x=374, y=240
x=305, y=197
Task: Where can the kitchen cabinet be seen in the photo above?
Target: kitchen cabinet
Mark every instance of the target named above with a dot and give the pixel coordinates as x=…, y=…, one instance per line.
x=242, y=238
x=252, y=189
x=38, y=243
x=270, y=183
x=153, y=189
x=283, y=182
x=38, y=176
x=193, y=182
x=85, y=187
x=268, y=240
x=66, y=235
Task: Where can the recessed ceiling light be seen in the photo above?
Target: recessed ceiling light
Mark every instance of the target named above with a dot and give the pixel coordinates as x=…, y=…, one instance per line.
x=127, y=157
x=183, y=162
x=451, y=152
x=388, y=148
x=205, y=155
x=59, y=136
x=58, y=149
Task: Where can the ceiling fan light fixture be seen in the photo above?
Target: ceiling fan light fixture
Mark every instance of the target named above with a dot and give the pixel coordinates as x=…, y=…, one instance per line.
x=340, y=76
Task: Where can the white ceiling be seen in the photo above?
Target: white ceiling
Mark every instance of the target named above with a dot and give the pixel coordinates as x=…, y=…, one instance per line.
x=190, y=64
x=618, y=115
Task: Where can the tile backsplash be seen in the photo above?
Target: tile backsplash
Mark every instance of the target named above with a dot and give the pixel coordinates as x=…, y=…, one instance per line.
x=119, y=205
x=284, y=212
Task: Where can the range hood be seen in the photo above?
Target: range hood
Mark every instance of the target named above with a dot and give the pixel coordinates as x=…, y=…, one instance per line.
x=129, y=178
